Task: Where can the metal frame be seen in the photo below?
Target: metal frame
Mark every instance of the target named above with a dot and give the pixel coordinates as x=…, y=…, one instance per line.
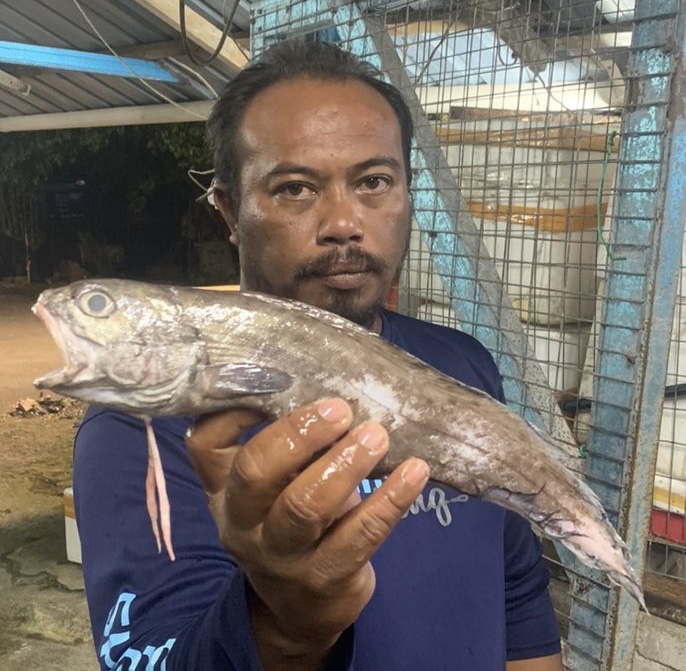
x=640, y=292
x=636, y=323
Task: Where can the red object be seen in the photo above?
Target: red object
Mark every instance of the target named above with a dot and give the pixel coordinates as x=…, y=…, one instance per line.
x=392, y=299
x=671, y=526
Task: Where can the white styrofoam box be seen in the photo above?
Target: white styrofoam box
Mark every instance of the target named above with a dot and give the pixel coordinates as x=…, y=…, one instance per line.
x=549, y=277
x=71, y=532
x=671, y=459
x=560, y=351
x=670, y=494
x=676, y=363
x=535, y=212
x=509, y=177
x=536, y=208
x=671, y=453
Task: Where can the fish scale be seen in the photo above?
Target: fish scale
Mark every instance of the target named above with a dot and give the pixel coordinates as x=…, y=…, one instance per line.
x=197, y=351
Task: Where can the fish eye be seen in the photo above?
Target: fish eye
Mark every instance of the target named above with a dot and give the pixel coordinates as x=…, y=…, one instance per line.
x=96, y=303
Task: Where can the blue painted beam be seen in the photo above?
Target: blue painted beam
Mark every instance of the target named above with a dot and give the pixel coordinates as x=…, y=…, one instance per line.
x=649, y=216
x=54, y=58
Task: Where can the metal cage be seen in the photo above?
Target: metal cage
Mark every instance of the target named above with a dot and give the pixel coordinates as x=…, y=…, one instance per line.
x=549, y=187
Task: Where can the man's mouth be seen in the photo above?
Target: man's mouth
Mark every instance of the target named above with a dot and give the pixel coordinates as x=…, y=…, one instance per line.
x=342, y=271
x=345, y=278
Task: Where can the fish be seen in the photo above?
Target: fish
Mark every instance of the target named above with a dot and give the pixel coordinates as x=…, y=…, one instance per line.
x=153, y=350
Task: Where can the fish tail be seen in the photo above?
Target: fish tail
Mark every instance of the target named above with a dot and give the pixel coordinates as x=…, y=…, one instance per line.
x=630, y=582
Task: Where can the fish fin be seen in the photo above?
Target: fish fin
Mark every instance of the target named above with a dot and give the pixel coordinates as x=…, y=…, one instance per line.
x=243, y=378
x=162, y=514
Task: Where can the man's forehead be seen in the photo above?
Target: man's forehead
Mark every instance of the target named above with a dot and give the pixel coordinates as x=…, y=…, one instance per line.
x=296, y=100
x=319, y=111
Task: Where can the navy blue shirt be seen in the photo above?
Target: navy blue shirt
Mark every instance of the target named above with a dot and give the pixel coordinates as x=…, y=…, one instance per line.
x=460, y=583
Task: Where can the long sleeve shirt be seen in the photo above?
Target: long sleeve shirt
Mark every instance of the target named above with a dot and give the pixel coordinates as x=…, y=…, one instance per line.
x=461, y=583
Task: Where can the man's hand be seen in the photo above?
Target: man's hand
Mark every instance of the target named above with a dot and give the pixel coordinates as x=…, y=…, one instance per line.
x=291, y=516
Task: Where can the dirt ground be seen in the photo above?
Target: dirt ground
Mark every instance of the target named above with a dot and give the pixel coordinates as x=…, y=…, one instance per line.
x=43, y=617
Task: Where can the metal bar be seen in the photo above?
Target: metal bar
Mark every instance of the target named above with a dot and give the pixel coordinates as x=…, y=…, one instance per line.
x=670, y=218
x=638, y=309
x=133, y=115
x=54, y=58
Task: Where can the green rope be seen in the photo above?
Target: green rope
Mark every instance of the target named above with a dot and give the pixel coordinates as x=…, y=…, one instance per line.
x=599, y=204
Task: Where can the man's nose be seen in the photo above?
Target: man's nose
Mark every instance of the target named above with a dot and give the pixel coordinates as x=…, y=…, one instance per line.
x=340, y=221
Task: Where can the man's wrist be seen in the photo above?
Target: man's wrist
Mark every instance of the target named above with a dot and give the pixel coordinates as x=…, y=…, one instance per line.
x=284, y=649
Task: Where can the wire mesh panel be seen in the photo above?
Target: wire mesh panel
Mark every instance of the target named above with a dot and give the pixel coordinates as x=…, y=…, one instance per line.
x=548, y=194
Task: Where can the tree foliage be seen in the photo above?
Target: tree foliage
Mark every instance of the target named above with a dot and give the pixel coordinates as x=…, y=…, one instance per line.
x=34, y=158
x=136, y=179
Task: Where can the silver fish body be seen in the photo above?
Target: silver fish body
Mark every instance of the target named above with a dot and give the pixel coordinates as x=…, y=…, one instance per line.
x=153, y=350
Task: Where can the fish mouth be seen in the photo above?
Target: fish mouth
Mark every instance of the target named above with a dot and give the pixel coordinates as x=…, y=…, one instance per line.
x=76, y=358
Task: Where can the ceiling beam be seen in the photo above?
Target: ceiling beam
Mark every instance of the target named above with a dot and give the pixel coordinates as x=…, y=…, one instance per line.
x=426, y=27
x=199, y=31
x=111, y=116
x=154, y=51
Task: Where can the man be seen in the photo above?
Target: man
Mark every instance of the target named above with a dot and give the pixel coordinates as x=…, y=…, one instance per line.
x=312, y=168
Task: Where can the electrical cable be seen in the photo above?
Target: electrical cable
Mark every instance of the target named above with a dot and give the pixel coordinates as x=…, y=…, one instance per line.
x=195, y=74
x=601, y=237
x=222, y=40
x=99, y=35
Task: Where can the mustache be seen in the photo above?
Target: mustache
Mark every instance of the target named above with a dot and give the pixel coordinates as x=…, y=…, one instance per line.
x=353, y=259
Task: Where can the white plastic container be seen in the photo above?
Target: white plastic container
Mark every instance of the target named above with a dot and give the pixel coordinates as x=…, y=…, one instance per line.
x=71, y=532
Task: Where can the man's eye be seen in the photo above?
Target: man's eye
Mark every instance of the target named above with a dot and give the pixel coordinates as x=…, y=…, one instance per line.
x=295, y=190
x=376, y=183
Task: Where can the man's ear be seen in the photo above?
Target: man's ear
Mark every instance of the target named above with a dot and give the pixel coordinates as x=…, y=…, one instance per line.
x=224, y=205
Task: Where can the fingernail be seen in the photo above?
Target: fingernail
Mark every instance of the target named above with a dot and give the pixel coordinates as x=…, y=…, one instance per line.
x=416, y=472
x=333, y=410
x=371, y=436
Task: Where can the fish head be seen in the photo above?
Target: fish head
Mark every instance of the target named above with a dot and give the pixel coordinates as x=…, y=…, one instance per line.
x=115, y=337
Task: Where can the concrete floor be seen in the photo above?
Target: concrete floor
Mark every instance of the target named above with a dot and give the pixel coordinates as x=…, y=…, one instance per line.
x=44, y=622
x=43, y=616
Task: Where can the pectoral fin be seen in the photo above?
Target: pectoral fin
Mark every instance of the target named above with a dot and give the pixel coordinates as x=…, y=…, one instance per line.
x=241, y=379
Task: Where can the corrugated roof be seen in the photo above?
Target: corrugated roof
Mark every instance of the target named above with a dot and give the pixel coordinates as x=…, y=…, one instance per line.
x=34, y=97
x=146, y=29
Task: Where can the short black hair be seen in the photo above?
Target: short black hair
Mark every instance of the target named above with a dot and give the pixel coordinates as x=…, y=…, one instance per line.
x=288, y=60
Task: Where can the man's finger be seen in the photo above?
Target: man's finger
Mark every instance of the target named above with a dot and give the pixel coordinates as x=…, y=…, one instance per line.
x=359, y=534
x=269, y=461
x=318, y=495
x=208, y=439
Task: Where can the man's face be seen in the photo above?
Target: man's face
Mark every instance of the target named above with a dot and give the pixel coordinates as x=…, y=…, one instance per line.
x=324, y=212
